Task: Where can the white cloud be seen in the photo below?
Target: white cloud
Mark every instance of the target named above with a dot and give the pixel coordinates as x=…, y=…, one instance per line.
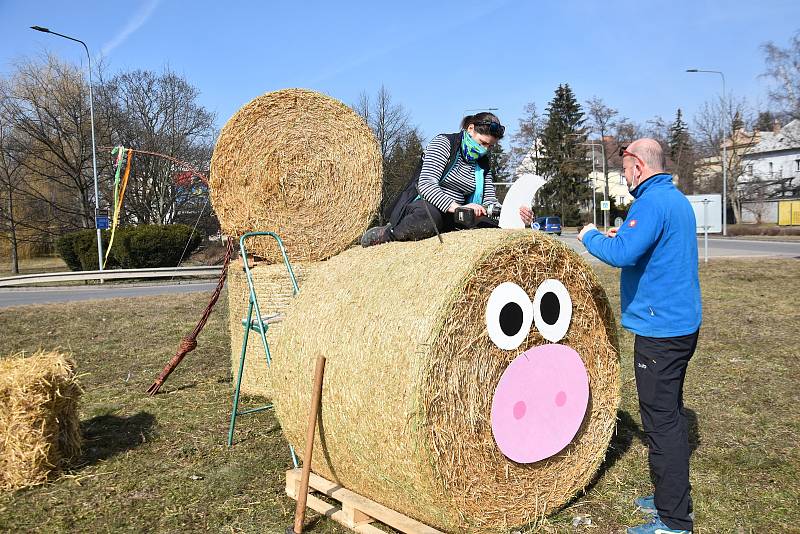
x=133, y=24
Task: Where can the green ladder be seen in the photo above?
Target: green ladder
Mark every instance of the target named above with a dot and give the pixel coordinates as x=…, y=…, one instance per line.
x=259, y=323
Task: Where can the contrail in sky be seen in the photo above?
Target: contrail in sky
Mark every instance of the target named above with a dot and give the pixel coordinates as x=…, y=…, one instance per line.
x=133, y=24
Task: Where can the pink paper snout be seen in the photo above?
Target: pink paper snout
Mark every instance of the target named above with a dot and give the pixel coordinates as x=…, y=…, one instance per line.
x=540, y=403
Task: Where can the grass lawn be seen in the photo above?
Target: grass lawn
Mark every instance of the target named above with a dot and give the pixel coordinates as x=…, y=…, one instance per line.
x=43, y=264
x=161, y=464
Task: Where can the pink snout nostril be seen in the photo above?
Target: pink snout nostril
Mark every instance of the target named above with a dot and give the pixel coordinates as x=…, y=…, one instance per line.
x=519, y=410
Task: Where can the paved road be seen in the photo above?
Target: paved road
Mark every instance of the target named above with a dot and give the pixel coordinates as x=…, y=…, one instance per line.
x=724, y=248
x=46, y=295
x=717, y=248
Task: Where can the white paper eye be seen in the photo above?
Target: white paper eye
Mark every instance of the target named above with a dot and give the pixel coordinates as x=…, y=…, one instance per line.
x=552, y=310
x=509, y=314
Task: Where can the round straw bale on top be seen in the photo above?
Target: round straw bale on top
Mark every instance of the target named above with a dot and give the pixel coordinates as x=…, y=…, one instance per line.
x=415, y=368
x=300, y=164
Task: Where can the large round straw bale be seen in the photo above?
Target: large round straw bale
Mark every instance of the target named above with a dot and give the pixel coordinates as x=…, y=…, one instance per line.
x=273, y=288
x=39, y=425
x=301, y=164
x=411, y=375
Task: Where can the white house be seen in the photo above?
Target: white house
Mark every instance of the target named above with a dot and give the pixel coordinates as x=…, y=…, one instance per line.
x=771, y=172
x=617, y=187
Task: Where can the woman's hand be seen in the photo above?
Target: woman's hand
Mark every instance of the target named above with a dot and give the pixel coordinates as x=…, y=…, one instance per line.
x=477, y=208
x=526, y=214
x=612, y=232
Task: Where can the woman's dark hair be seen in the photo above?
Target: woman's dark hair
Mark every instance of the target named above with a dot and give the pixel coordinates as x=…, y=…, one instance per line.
x=485, y=123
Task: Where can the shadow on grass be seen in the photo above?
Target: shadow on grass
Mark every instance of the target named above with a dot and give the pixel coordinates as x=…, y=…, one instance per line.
x=628, y=430
x=108, y=435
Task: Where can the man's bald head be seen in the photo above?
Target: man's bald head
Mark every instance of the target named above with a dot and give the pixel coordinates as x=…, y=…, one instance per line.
x=649, y=150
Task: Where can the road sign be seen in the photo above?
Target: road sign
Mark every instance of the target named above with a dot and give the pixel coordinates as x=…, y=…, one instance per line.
x=605, y=205
x=707, y=212
x=101, y=219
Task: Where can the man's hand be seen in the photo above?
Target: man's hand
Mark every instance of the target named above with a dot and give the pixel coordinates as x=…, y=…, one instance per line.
x=585, y=229
x=612, y=232
x=477, y=208
x=526, y=214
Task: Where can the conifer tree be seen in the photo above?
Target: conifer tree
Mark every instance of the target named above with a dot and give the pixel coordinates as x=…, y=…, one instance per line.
x=564, y=162
x=678, y=136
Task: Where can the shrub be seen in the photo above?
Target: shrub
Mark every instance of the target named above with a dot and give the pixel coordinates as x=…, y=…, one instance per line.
x=65, y=246
x=151, y=245
x=79, y=249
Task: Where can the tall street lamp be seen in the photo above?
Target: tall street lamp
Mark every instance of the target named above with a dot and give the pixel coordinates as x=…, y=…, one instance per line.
x=94, y=154
x=594, y=181
x=724, y=151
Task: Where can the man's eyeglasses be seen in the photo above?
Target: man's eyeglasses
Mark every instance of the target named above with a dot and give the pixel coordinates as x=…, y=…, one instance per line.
x=623, y=151
x=495, y=128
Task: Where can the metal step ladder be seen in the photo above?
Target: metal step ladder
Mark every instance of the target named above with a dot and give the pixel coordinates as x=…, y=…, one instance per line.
x=257, y=322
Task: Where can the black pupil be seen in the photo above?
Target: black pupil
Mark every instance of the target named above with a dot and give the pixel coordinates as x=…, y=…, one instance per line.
x=550, y=308
x=511, y=319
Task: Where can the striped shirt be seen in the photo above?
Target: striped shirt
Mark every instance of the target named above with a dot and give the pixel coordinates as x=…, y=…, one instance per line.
x=458, y=185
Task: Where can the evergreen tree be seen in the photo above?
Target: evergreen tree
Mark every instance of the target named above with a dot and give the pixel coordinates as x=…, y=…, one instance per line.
x=564, y=163
x=678, y=136
x=498, y=164
x=681, y=153
x=400, y=164
x=738, y=122
x=765, y=121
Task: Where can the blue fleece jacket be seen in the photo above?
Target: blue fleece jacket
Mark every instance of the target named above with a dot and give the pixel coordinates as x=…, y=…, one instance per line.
x=657, y=249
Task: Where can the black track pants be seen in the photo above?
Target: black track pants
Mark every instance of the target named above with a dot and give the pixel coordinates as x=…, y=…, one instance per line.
x=413, y=222
x=660, y=365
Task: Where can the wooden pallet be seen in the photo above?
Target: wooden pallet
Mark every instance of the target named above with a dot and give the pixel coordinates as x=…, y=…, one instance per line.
x=356, y=512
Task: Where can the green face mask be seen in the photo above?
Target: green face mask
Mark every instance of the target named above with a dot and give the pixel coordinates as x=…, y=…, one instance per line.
x=471, y=149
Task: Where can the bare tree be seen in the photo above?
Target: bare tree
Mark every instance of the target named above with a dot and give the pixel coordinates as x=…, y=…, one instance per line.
x=47, y=106
x=11, y=184
x=158, y=113
x=783, y=67
x=400, y=142
x=602, y=121
x=526, y=142
x=389, y=121
x=711, y=129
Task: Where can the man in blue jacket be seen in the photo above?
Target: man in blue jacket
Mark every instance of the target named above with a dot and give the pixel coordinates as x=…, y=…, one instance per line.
x=656, y=247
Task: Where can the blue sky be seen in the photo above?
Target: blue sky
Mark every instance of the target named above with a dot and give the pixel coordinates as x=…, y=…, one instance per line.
x=437, y=59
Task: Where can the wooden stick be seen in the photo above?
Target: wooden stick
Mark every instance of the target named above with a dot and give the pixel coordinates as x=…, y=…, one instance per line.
x=316, y=399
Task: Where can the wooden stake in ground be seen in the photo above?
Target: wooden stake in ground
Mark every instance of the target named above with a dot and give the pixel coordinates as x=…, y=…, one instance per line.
x=302, y=496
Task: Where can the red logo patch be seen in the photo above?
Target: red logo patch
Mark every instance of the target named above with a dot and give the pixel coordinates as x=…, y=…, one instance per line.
x=632, y=223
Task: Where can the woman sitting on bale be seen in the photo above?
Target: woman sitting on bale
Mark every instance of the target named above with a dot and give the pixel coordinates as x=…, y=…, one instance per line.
x=453, y=173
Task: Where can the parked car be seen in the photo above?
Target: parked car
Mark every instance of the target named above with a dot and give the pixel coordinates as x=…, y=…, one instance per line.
x=549, y=224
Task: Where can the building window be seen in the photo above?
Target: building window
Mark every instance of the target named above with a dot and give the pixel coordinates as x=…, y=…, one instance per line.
x=797, y=165
x=620, y=201
x=750, y=169
x=622, y=179
x=770, y=169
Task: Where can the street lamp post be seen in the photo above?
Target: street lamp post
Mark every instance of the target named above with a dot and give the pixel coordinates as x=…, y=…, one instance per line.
x=603, y=151
x=724, y=151
x=94, y=154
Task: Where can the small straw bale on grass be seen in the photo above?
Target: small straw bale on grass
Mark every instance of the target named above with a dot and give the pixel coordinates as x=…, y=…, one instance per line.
x=273, y=289
x=411, y=373
x=39, y=425
x=300, y=164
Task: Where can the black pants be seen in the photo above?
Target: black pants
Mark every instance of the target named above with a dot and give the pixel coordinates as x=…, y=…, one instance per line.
x=660, y=366
x=410, y=222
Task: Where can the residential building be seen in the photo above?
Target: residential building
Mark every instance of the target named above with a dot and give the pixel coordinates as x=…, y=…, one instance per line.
x=770, y=172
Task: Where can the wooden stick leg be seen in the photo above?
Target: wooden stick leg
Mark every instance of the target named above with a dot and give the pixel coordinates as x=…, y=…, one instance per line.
x=316, y=398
